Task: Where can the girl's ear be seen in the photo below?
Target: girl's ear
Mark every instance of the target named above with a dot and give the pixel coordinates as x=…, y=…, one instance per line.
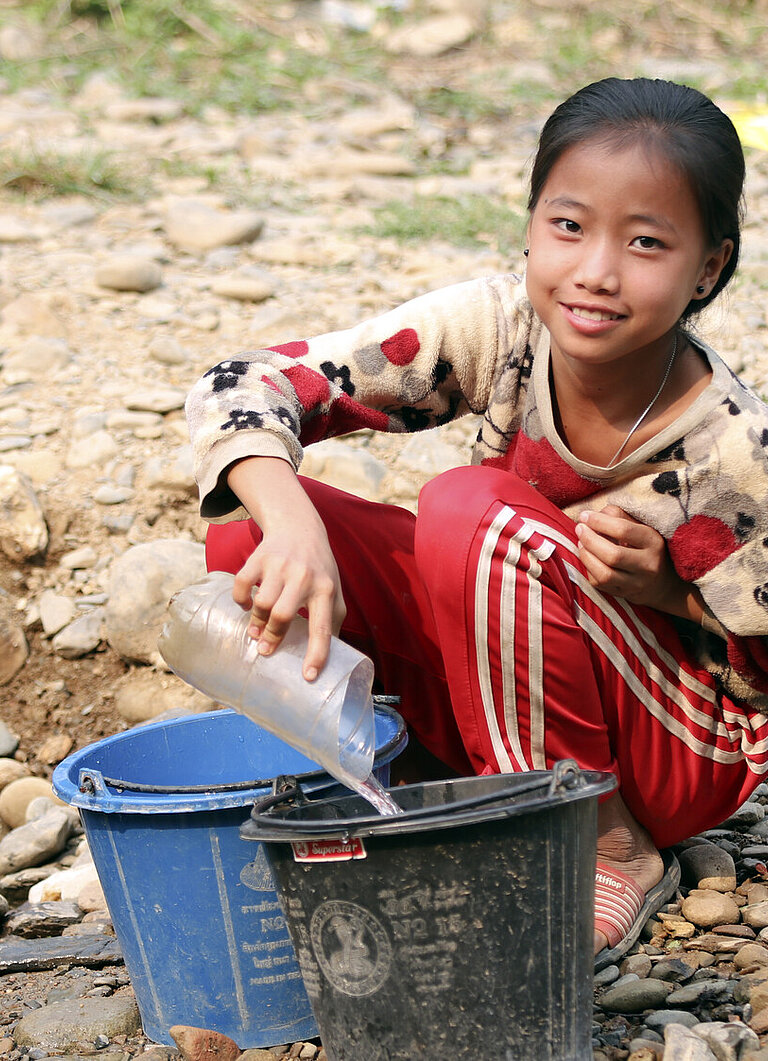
x=713, y=266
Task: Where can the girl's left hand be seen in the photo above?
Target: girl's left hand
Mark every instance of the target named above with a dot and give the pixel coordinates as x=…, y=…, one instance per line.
x=625, y=558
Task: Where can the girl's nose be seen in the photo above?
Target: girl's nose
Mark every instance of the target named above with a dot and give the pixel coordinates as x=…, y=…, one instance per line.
x=596, y=270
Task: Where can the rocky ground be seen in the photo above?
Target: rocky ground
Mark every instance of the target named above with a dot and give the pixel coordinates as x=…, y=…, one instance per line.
x=246, y=229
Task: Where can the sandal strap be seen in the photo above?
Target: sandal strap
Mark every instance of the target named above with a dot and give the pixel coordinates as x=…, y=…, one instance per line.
x=618, y=901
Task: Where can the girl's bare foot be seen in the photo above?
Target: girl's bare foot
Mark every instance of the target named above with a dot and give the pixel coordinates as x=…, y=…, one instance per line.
x=624, y=845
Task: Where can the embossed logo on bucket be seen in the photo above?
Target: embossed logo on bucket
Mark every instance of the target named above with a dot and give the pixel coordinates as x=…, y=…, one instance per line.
x=351, y=947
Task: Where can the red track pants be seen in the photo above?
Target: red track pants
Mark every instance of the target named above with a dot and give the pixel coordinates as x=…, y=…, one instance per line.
x=478, y=614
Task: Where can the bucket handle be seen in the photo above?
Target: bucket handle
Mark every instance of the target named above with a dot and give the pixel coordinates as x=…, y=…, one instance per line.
x=94, y=783
x=566, y=777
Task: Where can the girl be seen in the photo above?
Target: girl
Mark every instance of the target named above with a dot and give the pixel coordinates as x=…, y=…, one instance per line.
x=595, y=584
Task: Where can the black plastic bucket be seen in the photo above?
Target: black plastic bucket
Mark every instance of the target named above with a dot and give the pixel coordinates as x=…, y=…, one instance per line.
x=461, y=928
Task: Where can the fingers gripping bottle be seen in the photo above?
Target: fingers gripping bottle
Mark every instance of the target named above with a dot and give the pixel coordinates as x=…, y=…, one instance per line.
x=205, y=642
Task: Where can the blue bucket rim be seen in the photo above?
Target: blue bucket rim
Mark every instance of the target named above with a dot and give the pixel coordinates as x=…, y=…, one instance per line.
x=82, y=786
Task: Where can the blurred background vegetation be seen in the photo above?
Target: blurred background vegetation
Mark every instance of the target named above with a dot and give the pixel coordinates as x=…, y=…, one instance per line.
x=325, y=57
x=250, y=55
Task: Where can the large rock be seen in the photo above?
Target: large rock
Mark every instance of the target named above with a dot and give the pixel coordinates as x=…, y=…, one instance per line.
x=706, y=908
x=200, y=1044
x=16, y=796
x=35, y=842
x=62, y=1025
x=23, y=530
x=14, y=650
x=145, y=694
x=142, y=581
x=193, y=225
x=682, y=1044
x=129, y=272
x=708, y=867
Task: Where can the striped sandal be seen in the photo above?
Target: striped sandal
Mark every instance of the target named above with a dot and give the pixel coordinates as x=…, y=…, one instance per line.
x=622, y=908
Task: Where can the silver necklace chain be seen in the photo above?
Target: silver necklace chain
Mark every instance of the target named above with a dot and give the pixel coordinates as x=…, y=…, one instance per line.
x=648, y=407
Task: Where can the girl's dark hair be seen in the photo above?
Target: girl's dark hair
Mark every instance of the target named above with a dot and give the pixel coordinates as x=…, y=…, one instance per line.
x=682, y=124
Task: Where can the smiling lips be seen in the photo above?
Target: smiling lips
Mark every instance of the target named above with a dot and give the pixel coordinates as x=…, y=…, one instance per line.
x=594, y=314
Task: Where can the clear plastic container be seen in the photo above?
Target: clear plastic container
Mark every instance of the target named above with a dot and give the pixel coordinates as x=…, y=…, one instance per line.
x=205, y=641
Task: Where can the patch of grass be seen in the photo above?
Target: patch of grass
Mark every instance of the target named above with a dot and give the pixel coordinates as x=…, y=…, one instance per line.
x=230, y=53
x=466, y=221
x=44, y=173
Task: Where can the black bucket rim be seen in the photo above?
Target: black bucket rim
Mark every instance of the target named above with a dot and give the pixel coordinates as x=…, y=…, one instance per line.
x=273, y=826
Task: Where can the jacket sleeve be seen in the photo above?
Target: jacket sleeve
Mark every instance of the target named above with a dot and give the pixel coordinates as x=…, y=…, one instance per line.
x=417, y=366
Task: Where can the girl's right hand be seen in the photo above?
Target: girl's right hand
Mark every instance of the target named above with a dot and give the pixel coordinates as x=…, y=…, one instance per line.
x=292, y=568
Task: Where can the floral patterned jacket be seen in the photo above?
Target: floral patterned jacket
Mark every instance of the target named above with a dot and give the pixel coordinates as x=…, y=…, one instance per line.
x=478, y=347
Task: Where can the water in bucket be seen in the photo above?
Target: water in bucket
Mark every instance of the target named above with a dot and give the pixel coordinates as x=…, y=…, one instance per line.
x=206, y=643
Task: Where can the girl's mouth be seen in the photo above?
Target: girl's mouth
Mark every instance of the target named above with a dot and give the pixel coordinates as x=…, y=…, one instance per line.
x=594, y=314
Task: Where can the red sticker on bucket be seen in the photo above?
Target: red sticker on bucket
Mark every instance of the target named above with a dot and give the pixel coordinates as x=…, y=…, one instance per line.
x=328, y=850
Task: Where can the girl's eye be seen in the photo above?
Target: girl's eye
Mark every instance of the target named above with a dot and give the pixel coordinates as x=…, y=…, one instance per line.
x=647, y=243
x=571, y=227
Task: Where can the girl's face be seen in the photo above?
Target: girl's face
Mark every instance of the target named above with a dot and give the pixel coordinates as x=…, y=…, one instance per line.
x=617, y=251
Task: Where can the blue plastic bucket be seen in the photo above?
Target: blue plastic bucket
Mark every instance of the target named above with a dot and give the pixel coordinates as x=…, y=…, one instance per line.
x=194, y=906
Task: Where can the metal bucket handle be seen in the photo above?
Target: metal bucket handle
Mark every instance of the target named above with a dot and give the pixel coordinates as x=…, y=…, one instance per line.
x=566, y=777
x=94, y=783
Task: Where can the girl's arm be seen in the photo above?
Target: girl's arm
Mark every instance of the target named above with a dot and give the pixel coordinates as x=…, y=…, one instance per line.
x=417, y=366
x=292, y=567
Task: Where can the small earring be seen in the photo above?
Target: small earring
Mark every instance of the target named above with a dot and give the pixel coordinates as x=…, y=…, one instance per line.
x=700, y=289
x=525, y=252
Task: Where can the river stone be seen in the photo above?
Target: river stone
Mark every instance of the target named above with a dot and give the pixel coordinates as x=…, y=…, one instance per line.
x=80, y=559
x=156, y=400
x=17, y=795
x=682, y=1044
x=82, y=636
x=9, y=742
x=751, y=956
x=62, y=1025
x=748, y=814
x=142, y=581
x=706, y=908
x=55, y=748
x=33, y=955
x=728, y=1041
x=195, y=226
x=175, y=470
x=23, y=530
x=708, y=867
x=434, y=36
x=701, y=991
x=244, y=287
x=756, y=915
x=38, y=920
x=56, y=611
x=129, y=272
x=30, y=314
x=14, y=650
x=37, y=358
x=755, y=893
x=92, y=451
x=200, y=1044
x=639, y=964
x=635, y=996
x=658, y=1021
x=144, y=696
x=10, y=769
x=36, y=841
x=673, y=970
x=168, y=351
